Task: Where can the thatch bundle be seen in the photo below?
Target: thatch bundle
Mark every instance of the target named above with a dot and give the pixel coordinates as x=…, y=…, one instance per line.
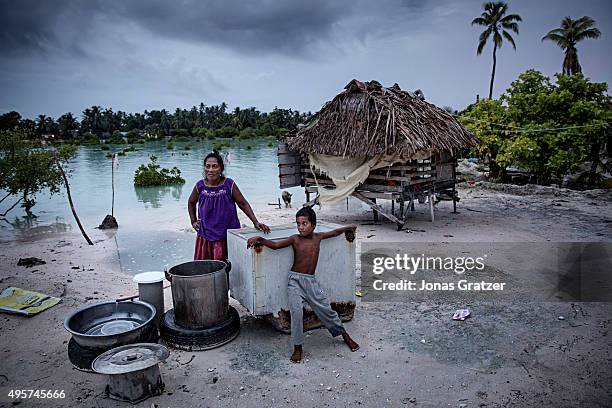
x=367, y=119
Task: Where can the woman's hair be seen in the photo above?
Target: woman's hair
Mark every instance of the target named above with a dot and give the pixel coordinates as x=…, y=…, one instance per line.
x=309, y=213
x=214, y=154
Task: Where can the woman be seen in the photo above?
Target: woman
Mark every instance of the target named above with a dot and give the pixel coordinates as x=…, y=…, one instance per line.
x=216, y=197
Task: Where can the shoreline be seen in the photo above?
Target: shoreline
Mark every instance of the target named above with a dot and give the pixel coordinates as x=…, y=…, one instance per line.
x=411, y=351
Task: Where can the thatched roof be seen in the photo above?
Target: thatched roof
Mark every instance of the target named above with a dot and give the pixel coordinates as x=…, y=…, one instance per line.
x=367, y=119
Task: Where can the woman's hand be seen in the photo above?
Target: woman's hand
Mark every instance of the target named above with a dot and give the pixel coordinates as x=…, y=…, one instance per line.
x=195, y=224
x=262, y=227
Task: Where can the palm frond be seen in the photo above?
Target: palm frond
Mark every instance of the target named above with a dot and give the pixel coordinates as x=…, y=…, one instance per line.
x=511, y=26
x=590, y=33
x=508, y=37
x=584, y=23
x=510, y=18
x=497, y=39
x=480, y=21
x=482, y=40
x=558, y=38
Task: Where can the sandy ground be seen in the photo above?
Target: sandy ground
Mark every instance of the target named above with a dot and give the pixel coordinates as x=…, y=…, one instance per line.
x=509, y=354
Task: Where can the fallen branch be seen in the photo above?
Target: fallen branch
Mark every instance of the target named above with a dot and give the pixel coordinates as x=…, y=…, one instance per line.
x=5, y=197
x=76, y=217
x=13, y=206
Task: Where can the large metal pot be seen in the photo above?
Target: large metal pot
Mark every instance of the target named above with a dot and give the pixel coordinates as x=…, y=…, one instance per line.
x=105, y=325
x=199, y=293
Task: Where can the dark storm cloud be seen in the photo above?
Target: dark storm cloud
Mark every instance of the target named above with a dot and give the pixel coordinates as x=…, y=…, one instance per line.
x=265, y=26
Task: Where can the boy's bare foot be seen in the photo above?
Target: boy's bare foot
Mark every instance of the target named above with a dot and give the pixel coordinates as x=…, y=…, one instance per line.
x=350, y=342
x=296, y=357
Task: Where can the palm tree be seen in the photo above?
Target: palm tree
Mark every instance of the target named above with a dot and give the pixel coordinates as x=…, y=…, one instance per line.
x=497, y=24
x=566, y=37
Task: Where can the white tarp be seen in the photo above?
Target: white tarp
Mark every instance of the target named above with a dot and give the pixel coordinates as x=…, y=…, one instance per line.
x=348, y=173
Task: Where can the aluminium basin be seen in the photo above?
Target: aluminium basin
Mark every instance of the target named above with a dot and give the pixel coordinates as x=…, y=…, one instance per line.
x=109, y=324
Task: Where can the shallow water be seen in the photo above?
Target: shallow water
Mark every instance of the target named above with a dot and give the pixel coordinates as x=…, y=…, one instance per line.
x=154, y=230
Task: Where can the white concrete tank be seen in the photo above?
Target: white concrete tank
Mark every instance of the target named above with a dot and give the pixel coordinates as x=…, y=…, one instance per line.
x=258, y=279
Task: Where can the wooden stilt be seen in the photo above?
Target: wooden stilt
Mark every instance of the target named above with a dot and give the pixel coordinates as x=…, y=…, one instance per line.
x=374, y=212
x=378, y=209
x=431, y=204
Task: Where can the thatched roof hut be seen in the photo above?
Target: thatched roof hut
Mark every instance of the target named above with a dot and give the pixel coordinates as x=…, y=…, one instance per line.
x=367, y=119
x=371, y=143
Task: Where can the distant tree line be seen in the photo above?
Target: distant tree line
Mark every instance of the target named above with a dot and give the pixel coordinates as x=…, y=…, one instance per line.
x=199, y=121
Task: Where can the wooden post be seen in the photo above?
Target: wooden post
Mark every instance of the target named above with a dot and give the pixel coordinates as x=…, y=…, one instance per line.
x=374, y=211
x=431, y=205
x=113, y=184
x=373, y=206
x=454, y=184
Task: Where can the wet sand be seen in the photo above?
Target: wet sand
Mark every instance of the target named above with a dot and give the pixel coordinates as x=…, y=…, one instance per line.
x=515, y=353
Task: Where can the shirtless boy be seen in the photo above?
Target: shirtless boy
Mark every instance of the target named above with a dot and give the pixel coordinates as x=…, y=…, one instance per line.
x=303, y=286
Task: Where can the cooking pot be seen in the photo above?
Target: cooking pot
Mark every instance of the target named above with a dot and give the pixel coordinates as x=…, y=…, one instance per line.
x=199, y=293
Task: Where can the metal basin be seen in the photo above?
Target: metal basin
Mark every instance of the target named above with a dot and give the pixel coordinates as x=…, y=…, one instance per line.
x=199, y=293
x=110, y=324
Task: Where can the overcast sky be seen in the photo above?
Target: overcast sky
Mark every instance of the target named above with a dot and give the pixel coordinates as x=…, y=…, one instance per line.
x=67, y=55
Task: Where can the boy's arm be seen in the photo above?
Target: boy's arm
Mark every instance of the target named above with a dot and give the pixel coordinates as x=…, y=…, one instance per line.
x=269, y=243
x=338, y=231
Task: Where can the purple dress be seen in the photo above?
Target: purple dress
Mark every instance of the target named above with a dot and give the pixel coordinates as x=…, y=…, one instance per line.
x=216, y=210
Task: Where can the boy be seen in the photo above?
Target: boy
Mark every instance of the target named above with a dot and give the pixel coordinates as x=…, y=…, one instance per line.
x=303, y=285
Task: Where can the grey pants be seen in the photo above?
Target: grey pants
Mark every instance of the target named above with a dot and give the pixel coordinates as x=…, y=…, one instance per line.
x=303, y=287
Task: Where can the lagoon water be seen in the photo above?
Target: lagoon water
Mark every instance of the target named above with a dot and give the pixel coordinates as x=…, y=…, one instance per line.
x=154, y=230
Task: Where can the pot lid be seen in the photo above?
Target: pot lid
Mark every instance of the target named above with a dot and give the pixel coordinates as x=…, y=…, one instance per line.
x=130, y=358
x=149, y=277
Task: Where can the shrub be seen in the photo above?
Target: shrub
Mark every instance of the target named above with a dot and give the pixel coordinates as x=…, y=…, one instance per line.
x=105, y=147
x=179, y=133
x=153, y=175
x=247, y=133
x=226, y=132
x=170, y=146
x=181, y=139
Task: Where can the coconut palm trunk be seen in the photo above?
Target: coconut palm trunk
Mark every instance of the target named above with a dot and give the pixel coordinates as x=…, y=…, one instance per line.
x=493, y=73
x=498, y=27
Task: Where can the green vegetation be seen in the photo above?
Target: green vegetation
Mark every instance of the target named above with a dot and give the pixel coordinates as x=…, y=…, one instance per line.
x=153, y=175
x=181, y=139
x=26, y=168
x=220, y=145
x=170, y=146
x=548, y=128
x=201, y=122
x=187, y=147
x=497, y=25
x=104, y=147
x=568, y=35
